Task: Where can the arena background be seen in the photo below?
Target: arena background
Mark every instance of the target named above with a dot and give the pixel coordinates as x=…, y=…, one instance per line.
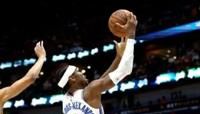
x=166, y=74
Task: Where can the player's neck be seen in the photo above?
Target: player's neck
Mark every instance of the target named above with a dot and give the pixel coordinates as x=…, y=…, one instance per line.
x=73, y=89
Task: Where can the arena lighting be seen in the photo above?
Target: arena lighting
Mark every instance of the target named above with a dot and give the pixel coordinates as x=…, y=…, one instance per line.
x=142, y=83
x=58, y=57
x=40, y=101
x=19, y=103
x=194, y=73
x=8, y=104
x=17, y=63
x=141, y=41
x=180, y=75
x=94, y=51
x=166, y=77
x=56, y=98
x=83, y=54
x=5, y=65
x=88, y=67
x=127, y=86
x=29, y=61
x=171, y=31
x=71, y=56
x=108, y=47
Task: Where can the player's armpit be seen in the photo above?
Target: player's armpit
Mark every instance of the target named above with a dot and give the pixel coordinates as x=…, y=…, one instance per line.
x=92, y=93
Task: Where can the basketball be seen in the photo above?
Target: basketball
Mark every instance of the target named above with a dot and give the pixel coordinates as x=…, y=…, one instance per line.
x=119, y=16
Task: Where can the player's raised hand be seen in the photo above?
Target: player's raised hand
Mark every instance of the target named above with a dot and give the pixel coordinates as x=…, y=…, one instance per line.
x=39, y=50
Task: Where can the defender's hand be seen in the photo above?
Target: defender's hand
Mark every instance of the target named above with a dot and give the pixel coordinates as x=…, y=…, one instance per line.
x=39, y=50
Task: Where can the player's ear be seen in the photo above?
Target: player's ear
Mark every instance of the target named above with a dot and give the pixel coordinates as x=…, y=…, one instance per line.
x=72, y=79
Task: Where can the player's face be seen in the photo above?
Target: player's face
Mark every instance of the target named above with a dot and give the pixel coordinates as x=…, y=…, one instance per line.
x=81, y=78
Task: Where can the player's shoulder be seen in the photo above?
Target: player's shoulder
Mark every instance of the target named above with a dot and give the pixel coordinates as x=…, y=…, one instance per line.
x=91, y=90
x=93, y=84
x=90, y=94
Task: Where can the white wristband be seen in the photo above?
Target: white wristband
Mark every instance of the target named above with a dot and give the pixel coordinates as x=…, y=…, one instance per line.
x=126, y=64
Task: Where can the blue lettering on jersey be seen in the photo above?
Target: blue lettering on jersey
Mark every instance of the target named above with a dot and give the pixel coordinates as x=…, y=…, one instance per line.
x=86, y=110
x=78, y=106
x=68, y=107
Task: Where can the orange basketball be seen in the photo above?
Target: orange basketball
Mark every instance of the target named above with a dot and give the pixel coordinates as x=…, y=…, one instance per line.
x=119, y=16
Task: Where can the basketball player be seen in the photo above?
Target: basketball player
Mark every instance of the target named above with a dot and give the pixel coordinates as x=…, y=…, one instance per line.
x=85, y=98
x=20, y=85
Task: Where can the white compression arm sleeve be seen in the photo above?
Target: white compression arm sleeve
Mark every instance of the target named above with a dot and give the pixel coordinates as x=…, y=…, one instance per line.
x=126, y=64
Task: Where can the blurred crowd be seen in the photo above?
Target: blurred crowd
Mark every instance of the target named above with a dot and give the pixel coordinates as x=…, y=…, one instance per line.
x=175, y=58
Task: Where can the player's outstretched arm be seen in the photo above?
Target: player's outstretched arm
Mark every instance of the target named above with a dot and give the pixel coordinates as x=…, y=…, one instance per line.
x=33, y=73
x=92, y=93
x=119, y=52
x=130, y=28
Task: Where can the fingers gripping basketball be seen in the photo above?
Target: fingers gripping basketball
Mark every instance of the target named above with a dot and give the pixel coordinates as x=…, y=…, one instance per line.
x=118, y=21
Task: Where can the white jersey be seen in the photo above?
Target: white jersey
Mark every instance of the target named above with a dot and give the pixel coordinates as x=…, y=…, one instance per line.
x=76, y=105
